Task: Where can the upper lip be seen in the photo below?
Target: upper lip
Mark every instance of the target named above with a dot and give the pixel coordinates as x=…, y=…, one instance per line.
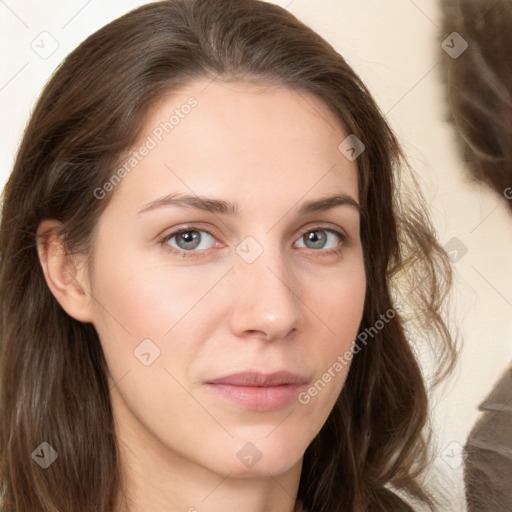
x=256, y=378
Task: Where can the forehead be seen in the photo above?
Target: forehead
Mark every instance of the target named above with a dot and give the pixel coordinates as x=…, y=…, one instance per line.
x=238, y=138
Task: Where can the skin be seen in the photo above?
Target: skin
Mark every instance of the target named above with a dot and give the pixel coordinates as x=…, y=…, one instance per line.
x=296, y=307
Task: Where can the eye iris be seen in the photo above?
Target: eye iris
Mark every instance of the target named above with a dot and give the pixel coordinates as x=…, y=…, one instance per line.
x=318, y=239
x=188, y=240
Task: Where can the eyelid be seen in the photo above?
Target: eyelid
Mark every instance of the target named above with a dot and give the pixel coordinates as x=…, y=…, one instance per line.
x=333, y=228
x=187, y=227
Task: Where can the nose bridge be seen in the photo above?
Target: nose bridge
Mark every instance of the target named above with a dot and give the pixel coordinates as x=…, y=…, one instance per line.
x=265, y=300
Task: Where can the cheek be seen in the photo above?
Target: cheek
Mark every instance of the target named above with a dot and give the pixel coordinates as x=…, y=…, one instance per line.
x=343, y=306
x=150, y=300
x=339, y=305
x=338, y=310
x=136, y=301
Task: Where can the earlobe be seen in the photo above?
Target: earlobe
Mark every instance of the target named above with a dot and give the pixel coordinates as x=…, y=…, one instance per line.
x=63, y=272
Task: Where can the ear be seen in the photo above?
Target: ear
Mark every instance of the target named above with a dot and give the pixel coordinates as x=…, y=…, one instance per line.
x=64, y=273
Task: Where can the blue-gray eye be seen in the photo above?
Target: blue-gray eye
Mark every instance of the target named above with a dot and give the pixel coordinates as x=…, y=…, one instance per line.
x=318, y=238
x=191, y=239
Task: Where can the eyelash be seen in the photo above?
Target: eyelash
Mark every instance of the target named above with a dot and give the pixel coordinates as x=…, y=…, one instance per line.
x=194, y=254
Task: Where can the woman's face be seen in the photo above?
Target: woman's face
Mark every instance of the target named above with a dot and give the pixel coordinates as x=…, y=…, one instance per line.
x=263, y=278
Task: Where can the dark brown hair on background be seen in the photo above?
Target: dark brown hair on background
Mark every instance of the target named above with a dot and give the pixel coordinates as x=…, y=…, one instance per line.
x=479, y=87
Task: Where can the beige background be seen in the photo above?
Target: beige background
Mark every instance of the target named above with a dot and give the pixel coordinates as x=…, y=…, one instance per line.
x=394, y=47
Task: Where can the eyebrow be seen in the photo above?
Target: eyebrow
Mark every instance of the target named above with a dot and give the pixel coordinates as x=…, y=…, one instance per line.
x=227, y=208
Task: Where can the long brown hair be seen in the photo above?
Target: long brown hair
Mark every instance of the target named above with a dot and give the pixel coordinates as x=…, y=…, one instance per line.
x=52, y=369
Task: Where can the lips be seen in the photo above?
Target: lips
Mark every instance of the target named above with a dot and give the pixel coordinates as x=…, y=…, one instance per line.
x=253, y=378
x=258, y=391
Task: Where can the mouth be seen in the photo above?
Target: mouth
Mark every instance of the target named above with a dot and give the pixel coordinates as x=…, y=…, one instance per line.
x=258, y=391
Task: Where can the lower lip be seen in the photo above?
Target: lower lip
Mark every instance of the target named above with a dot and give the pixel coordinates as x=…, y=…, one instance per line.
x=258, y=398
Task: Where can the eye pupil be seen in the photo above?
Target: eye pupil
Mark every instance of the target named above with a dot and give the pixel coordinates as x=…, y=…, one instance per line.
x=318, y=239
x=188, y=240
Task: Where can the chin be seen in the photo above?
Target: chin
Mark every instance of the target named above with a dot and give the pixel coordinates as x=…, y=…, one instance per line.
x=262, y=469
x=263, y=457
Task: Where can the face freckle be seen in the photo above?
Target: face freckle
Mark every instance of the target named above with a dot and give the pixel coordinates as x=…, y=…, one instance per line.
x=257, y=295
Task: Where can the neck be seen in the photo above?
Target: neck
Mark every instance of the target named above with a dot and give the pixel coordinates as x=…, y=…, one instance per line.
x=157, y=479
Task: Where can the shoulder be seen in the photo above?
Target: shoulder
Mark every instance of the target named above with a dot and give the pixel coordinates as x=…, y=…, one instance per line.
x=493, y=429
x=488, y=465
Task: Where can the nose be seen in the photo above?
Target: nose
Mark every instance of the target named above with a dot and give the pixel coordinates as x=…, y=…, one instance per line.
x=265, y=298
